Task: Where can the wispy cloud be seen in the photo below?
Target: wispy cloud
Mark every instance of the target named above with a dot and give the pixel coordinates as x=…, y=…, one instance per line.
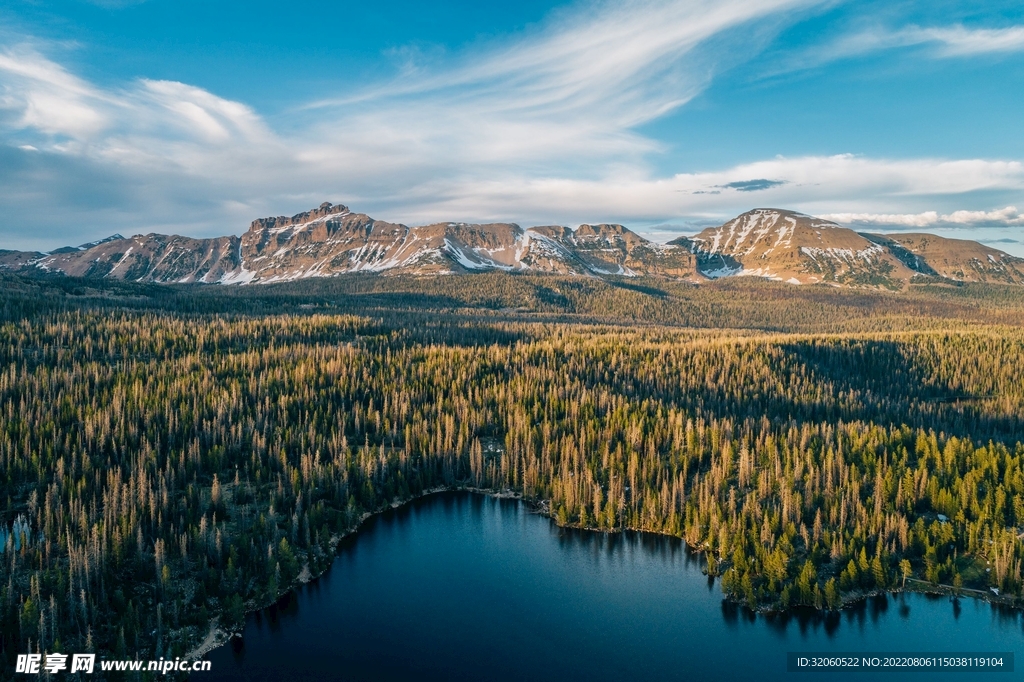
x=541, y=127
x=45, y=98
x=958, y=41
x=569, y=96
x=938, y=41
x=563, y=100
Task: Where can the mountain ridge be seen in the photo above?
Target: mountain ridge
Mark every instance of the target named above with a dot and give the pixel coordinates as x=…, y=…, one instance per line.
x=802, y=249
x=332, y=240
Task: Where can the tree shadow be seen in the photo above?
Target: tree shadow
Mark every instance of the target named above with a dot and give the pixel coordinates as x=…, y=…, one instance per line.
x=882, y=381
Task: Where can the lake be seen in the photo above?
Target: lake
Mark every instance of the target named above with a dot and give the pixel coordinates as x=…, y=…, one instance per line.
x=457, y=586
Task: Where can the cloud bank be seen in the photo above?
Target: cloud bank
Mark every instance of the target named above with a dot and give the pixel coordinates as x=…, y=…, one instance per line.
x=1005, y=217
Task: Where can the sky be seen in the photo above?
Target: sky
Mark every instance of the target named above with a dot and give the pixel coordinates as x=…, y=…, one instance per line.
x=195, y=117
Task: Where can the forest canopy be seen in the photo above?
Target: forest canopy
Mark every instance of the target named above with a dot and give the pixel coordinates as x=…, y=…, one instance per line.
x=172, y=455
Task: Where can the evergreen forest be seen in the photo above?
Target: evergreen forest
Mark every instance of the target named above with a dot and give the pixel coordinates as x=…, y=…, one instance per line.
x=172, y=457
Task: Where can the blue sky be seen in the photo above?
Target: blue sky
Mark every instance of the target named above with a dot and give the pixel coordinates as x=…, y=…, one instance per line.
x=195, y=117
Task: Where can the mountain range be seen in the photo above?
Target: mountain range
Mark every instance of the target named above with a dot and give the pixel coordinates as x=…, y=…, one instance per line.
x=332, y=240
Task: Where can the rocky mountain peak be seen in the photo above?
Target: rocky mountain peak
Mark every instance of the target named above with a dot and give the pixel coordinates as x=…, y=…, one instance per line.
x=955, y=259
x=331, y=240
x=607, y=232
x=324, y=211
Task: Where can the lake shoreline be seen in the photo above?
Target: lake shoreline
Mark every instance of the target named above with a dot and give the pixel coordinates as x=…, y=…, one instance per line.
x=218, y=636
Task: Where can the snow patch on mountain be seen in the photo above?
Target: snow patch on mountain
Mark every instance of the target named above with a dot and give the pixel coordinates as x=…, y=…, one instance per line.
x=331, y=239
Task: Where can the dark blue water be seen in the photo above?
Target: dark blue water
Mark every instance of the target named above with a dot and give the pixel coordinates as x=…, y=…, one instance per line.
x=465, y=587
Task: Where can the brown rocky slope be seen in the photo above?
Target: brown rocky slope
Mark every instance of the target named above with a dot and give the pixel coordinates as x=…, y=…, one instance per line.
x=331, y=240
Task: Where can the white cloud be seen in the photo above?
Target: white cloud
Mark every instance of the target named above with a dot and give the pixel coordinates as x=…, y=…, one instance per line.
x=562, y=100
x=942, y=41
x=859, y=176
x=540, y=128
x=1004, y=217
x=48, y=98
x=958, y=41
x=810, y=183
x=565, y=97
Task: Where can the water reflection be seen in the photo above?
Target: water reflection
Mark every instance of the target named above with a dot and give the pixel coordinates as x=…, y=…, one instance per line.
x=456, y=584
x=730, y=613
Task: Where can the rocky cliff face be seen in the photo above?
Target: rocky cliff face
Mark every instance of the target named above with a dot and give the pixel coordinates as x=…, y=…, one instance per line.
x=957, y=259
x=795, y=248
x=150, y=258
x=332, y=240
